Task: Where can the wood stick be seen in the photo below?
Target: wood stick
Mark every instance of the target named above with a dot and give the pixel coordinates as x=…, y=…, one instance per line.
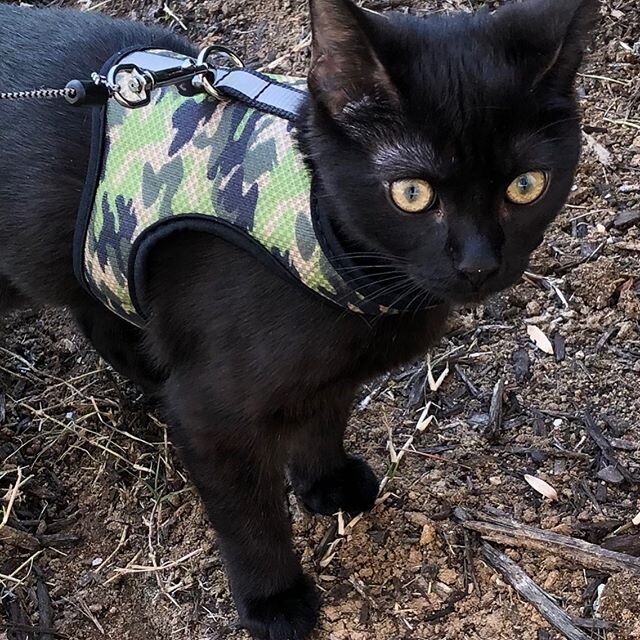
x=39, y=631
x=16, y=538
x=531, y=592
x=508, y=532
x=45, y=614
x=605, y=446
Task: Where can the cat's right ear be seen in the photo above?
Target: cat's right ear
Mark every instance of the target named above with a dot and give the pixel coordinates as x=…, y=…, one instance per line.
x=345, y=70
x=547, y=38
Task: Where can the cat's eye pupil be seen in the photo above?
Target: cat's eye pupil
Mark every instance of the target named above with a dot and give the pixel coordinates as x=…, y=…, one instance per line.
x=411, y=195
x=527, y=187
x=524, y=183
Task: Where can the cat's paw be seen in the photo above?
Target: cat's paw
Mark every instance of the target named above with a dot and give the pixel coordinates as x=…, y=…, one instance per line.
x=288, y=615
x=352, y=488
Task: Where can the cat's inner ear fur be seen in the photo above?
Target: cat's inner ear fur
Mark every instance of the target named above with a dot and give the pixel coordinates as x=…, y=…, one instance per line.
x=548, y=37
x=345, y=70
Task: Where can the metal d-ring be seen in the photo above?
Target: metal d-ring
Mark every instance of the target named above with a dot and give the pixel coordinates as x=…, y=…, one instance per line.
x=204, y=80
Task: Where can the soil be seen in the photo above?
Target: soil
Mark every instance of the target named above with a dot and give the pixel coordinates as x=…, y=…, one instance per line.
x=110, y=527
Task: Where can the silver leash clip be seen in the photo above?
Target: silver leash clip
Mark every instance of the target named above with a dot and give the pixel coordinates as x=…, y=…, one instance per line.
x=131, y=82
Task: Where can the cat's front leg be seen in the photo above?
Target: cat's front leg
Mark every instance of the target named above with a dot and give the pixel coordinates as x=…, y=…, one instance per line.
x=238, y=468
x=121, y=344
x=10, y=298
x=323, y=475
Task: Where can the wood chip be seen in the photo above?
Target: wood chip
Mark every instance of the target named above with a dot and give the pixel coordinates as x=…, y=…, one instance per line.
x=540, y=339
x=20, y=539
x=629, y=544
x=636, y=521
x=559, y=347
x=542, y=487
x=521, y=365
x=626, y=218
x=45, y=612
x=496, y=411
x=610, y=474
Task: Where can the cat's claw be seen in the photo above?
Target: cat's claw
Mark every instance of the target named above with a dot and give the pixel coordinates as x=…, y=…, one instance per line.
x=288, y=615
x=353, y=488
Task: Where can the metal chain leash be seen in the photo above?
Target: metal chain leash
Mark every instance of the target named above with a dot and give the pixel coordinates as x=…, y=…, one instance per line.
x=131, y=84
x=38, y=94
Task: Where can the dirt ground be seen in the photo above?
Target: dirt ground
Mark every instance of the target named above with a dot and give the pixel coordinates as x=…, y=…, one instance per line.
x=109, y=538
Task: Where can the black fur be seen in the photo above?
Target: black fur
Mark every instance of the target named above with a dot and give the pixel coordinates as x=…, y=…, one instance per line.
x=257, y=374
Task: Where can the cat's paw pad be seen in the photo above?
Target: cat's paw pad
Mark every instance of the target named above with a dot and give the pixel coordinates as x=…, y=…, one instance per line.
x=288, y=615
x=352, y=488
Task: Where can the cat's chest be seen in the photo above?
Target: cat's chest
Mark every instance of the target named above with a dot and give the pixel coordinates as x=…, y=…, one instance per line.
x=362, y=347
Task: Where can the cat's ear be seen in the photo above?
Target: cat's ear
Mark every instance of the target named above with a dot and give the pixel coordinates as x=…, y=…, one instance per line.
x=547, y=37
x=345, y=69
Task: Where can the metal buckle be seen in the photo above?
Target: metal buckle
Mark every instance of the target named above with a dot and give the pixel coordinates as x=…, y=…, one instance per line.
x=132, y=82
x=208, y=79
x=130, y=86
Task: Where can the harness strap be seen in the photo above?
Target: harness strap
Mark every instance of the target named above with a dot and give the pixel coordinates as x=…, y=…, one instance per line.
x=260, y=92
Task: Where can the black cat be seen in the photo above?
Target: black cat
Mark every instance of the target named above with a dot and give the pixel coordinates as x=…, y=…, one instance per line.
x=443, y=148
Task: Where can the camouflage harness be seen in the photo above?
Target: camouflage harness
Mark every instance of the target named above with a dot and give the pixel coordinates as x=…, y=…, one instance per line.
x=231, y=168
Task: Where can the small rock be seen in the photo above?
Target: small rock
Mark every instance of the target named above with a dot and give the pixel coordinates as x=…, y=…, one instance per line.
x=601, y=493
x=417, y=518
x=67, y=346
x=479, y=420
x=538, y=456
x=552, y=580
x=448, y=576
x=332, y=613
x=578, y=195
x=581, y=230
x=428, y=535
x=610, y=474
x=533, y=308
x=378, y=536
x=626, y=218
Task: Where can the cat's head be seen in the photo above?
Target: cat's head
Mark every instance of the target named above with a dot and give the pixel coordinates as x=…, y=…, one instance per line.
x=445, y=145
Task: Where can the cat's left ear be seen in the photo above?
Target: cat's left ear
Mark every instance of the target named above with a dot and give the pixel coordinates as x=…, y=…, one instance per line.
x=345, y=69
x=548, y=37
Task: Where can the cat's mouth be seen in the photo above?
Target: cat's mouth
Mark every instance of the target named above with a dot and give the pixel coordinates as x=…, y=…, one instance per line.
x=462, y=291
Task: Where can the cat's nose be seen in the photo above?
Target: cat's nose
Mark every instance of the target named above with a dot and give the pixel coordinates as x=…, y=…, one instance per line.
x=478, y=276
x=478, y=262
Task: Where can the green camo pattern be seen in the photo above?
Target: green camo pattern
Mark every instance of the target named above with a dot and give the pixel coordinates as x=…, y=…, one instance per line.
x=193, y=155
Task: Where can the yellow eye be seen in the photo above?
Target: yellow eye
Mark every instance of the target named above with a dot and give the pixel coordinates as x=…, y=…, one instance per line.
x=413, y=195
x=527, y=188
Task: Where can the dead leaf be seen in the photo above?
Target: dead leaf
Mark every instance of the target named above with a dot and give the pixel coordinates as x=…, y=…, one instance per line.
x=340, y=523
x=434, y=384
x=425, y=419
x=541, y=341
x=601, y=152
x=542, y=487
